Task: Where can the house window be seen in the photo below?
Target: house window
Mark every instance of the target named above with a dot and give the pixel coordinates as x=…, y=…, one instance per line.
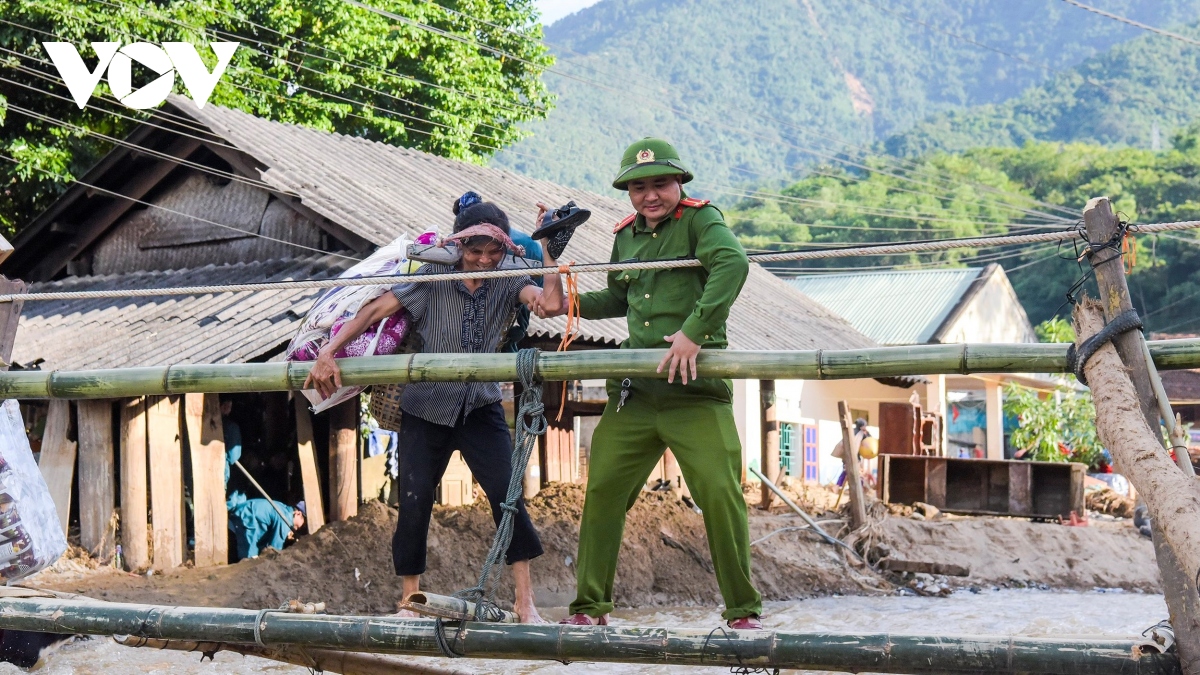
x=811, y=470
x=785, y=448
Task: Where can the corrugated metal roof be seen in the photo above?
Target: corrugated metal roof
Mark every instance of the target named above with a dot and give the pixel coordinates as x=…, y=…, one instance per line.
x=223, y=328
x=893, y=308
x=380, y=192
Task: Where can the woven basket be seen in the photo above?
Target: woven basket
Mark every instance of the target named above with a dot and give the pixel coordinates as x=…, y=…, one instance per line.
x=385, y=398
x=385, y=405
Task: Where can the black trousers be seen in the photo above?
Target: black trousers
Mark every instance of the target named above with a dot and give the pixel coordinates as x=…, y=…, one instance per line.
x=425, y=448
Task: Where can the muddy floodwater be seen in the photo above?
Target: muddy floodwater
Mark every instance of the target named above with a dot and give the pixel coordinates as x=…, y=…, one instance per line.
x=1111, y=614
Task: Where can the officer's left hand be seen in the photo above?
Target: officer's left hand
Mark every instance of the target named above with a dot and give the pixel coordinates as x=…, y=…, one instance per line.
x=682, y=355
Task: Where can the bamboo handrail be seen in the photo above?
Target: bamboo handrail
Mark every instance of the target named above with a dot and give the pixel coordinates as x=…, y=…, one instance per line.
x=827, y=364
x=881, y=653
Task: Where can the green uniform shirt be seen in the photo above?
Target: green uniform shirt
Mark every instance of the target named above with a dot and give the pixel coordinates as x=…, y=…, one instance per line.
x=658, y=303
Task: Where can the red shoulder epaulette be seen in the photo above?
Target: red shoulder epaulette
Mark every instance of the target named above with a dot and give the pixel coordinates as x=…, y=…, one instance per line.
x=688, y=201
x=621, y=225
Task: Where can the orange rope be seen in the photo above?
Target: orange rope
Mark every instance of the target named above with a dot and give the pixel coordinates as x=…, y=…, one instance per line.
x=1129, y=250
x=572, y=328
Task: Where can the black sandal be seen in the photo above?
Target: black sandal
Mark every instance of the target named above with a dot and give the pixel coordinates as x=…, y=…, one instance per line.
x=558, y=225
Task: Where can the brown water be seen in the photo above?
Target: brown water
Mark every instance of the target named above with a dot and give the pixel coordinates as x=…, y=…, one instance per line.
x=1007, y=612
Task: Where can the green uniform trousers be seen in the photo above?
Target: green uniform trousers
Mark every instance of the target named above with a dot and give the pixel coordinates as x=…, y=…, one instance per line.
x=627, y=444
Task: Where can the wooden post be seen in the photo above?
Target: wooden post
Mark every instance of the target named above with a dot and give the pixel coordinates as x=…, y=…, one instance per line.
x=206, y=441
x=57, y=461
x=858, y=508
x=1179, y=583
x=315, y=518
x=97, y=489
x=134, y=544
x=770, y=439
x=166, y=480
x=10, y=316
x=343, y=461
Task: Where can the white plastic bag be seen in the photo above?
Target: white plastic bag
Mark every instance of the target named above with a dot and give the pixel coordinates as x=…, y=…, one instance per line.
x=31, y=537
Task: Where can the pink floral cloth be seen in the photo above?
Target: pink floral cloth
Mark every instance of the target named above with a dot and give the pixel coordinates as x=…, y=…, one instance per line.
x=394, y=331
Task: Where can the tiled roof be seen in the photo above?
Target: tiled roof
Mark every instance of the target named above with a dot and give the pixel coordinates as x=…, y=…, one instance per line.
x=380, y=192
x=891, y=307
x=224, y=328
x=1181, y=385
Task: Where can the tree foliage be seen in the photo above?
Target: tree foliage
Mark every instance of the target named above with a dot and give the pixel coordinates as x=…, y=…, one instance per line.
x=1145, y=187
x=460, y=88
x=1057, y=427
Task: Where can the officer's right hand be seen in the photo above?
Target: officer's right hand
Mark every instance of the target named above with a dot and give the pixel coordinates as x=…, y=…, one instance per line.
x=325, y=376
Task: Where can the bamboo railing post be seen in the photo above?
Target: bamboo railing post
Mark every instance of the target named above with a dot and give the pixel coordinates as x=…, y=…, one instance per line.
x=770, y=439
x=1179, y=583
x=858, y=508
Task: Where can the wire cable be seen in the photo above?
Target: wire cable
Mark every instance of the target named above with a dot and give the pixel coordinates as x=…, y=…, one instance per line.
x=1131, y=22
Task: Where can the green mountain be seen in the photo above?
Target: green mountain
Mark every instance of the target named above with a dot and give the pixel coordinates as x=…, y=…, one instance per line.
x=751, y=90
x=1136, y=94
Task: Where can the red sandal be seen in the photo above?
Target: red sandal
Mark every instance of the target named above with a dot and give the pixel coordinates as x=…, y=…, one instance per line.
x=751, y=622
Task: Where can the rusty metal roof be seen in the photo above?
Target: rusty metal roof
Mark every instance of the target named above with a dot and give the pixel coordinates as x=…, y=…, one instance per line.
x=223, y=328
x=381, y=191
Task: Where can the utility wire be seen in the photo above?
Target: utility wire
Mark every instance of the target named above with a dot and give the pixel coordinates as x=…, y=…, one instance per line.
x=1131, y=22
x=678, y=263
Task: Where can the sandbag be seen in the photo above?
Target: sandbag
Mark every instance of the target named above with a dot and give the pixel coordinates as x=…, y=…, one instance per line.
x=31, y=537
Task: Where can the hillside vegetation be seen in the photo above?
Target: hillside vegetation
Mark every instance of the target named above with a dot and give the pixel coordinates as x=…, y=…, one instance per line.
x=834, y=206
x=1134, y=94
x=750, y=91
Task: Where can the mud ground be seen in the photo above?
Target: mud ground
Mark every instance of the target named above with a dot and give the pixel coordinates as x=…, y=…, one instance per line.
x=664, y=560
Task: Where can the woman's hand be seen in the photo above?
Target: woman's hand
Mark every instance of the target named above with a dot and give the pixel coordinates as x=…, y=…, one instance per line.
x=542, y=209
x=325, y=376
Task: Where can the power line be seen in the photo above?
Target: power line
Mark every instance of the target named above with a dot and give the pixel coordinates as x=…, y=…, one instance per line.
x=1131, y=22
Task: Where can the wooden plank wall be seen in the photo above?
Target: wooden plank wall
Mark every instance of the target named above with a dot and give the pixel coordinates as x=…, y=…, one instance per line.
x=134, y=533
x=343, y=461
x=166, y=480
x=315, y=517
x=57, y=461
x=206, y=442
x=97, y=487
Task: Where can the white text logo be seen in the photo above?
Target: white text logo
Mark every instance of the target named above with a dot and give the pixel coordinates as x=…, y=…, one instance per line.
x=170, y=58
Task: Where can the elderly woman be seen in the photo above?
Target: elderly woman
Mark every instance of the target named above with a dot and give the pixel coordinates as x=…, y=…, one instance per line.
x=469, y=316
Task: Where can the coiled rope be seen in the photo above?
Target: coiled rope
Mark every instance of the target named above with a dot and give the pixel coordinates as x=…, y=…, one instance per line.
x=782, y=256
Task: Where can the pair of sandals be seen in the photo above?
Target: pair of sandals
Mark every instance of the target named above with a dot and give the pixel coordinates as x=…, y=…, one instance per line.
x=556, y=228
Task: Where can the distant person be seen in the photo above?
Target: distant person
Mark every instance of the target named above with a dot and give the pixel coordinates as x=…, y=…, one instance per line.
x=233, y=437
x=256, y=525
x=865, y=446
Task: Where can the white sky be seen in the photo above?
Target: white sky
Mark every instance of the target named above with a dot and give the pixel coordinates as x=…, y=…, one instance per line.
x=553, y=10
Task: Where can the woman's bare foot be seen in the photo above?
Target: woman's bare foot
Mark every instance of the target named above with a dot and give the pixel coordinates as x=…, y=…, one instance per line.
x=527, y=613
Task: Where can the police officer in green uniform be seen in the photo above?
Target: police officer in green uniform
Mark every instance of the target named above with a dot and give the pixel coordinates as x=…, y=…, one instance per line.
x=683, y=310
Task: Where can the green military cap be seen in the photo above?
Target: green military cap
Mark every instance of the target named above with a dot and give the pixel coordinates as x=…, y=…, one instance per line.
x=649, y=157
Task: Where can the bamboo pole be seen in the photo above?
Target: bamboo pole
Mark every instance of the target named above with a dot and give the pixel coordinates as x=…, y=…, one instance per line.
x=319, y=660
x=592, y=364
x=886, y=653
x=769, y=456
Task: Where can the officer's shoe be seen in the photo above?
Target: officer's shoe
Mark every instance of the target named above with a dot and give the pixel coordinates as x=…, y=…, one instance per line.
x=558, y=226
x=584, y=620
x=449, y=254
x=751, y=622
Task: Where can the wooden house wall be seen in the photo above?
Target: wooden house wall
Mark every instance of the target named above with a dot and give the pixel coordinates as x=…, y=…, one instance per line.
x=155, y=239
